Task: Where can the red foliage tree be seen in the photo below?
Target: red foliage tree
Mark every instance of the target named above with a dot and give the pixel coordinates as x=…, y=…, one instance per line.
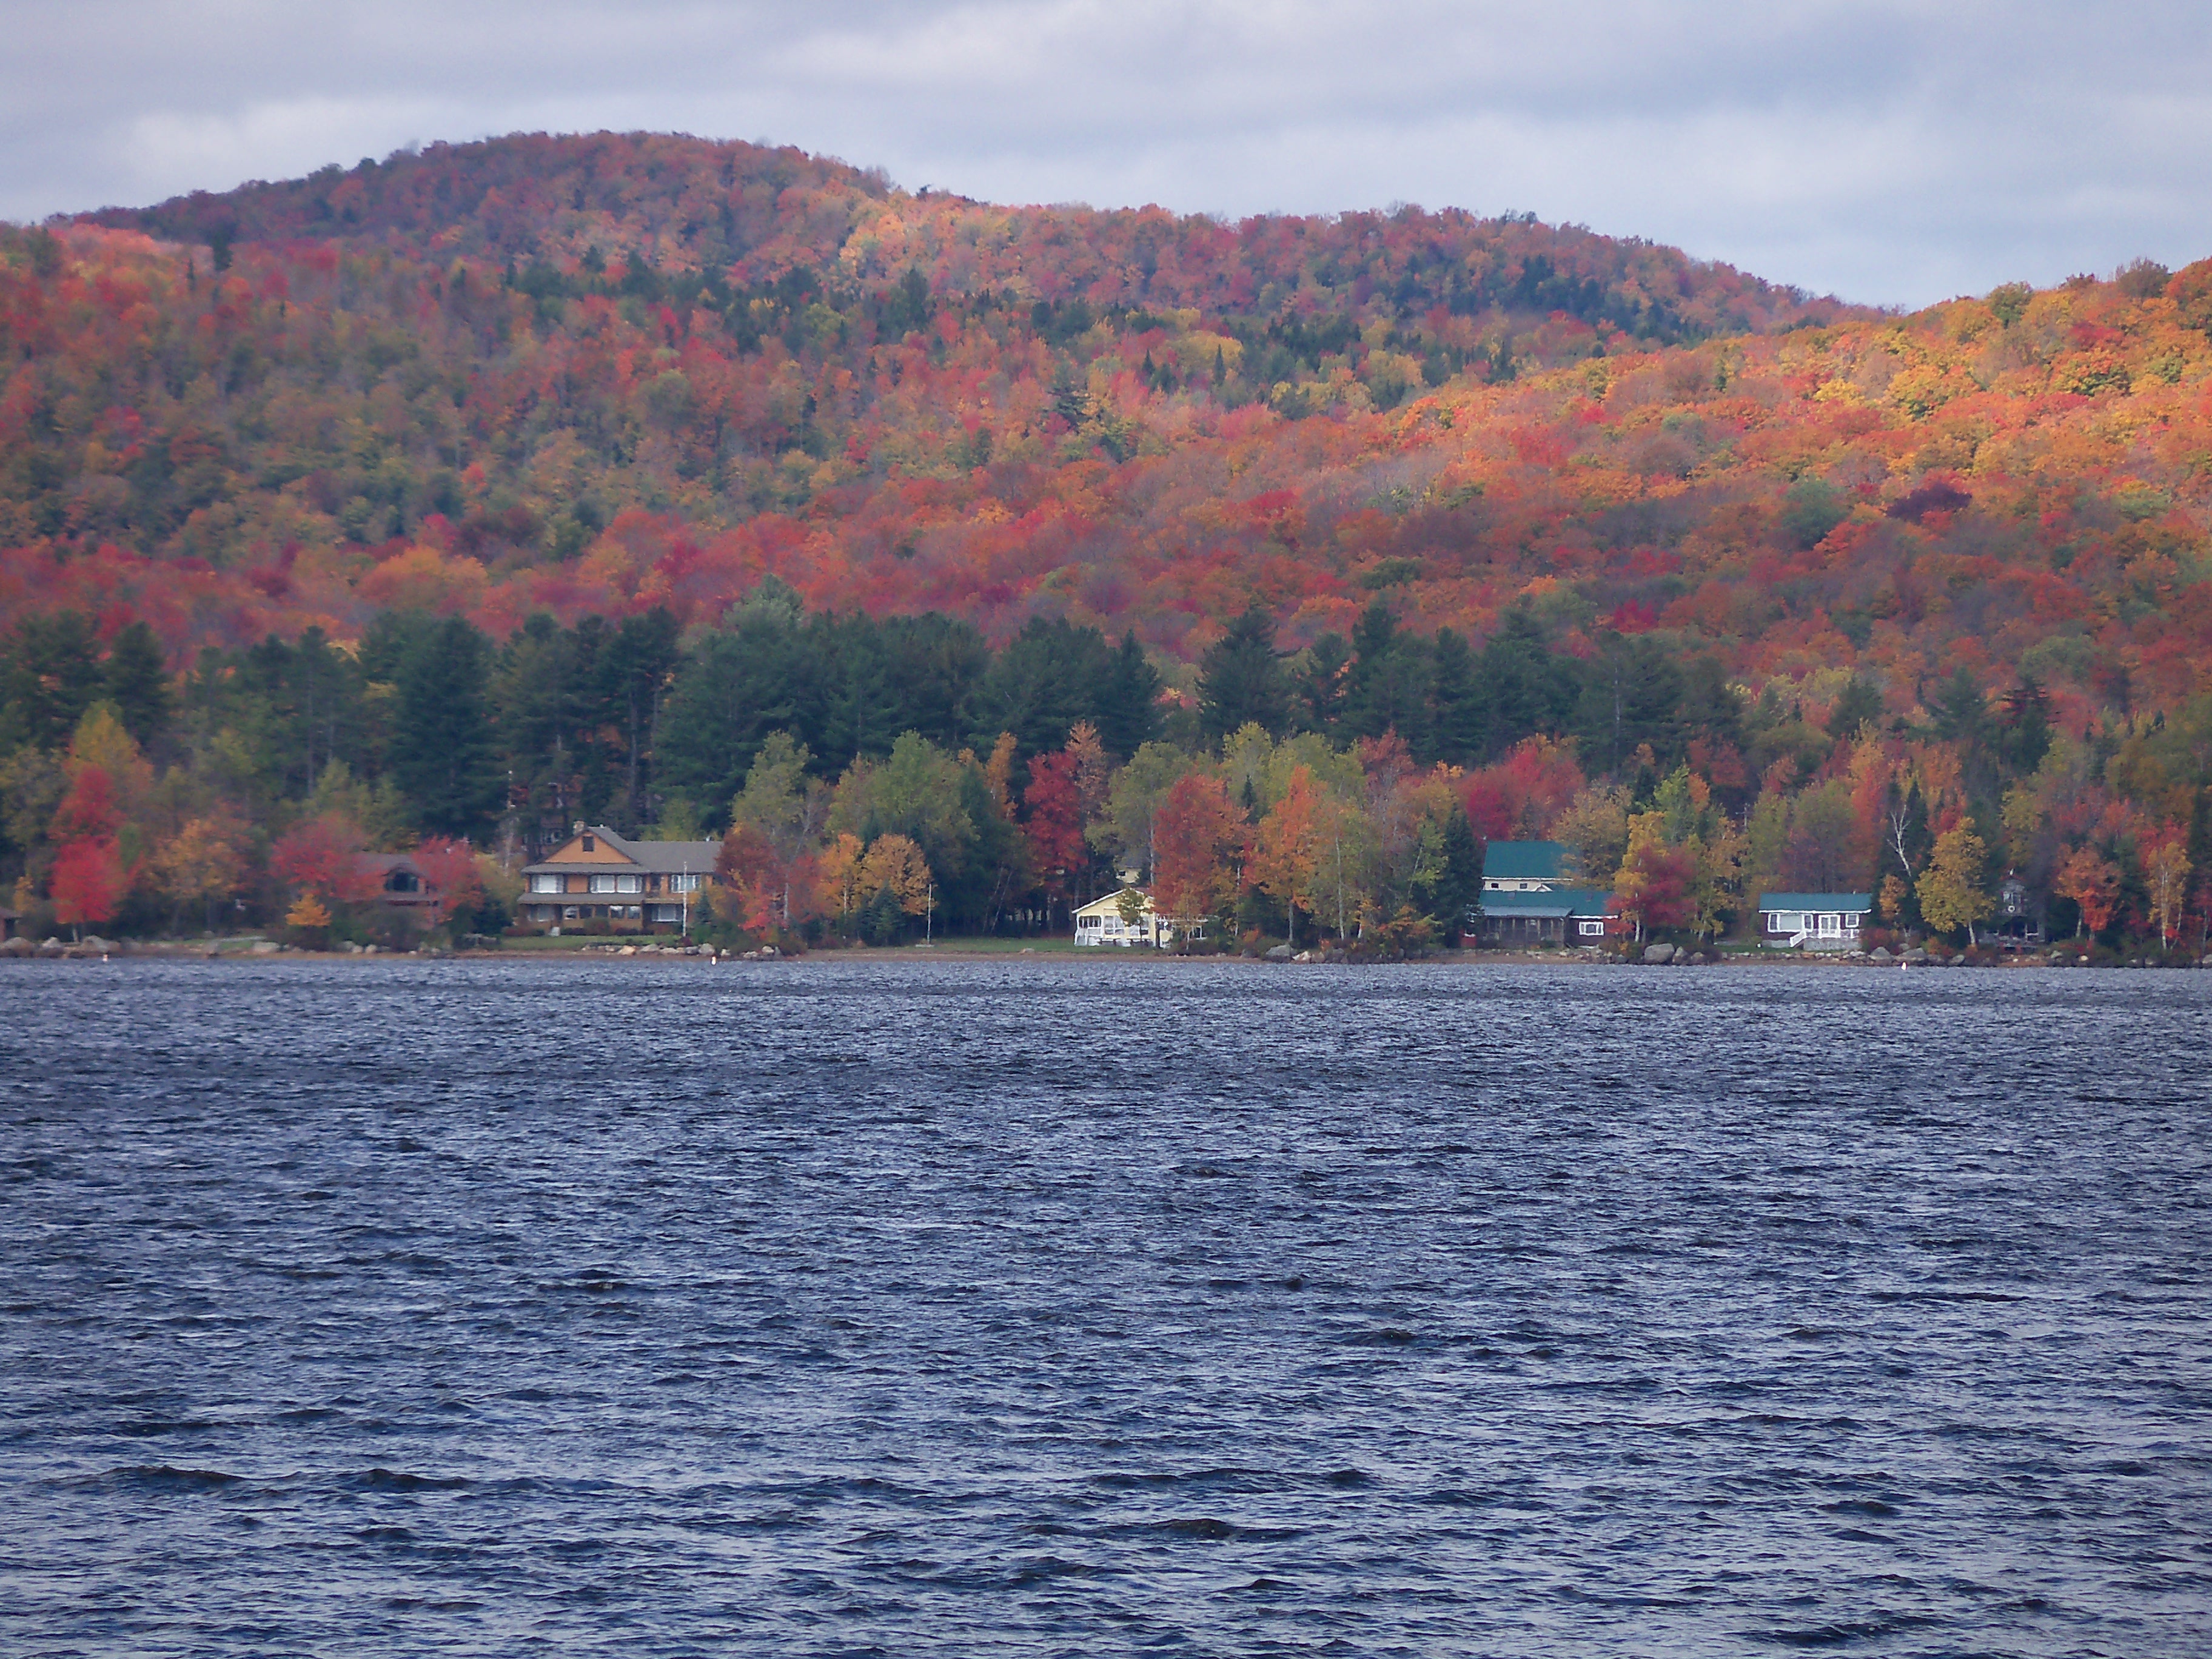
x=323, y=855
x=1054, y=823
x=89, y=881
x=450, y=874
x=88, y=811
x=1196, y=846
x=1520, y=797
x=764, y=887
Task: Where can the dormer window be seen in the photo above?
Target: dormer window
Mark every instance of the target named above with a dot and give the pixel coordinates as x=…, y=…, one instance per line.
x=591, y=844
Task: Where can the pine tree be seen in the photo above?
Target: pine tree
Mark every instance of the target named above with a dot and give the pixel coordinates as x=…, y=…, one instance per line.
x=1386, y=689
x=441, y=742
x=1454, y=722
x=1240, y=679
x=138, y=682
x=1129, y=700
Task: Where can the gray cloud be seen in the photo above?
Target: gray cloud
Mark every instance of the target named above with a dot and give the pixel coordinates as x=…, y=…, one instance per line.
x=1894, y=152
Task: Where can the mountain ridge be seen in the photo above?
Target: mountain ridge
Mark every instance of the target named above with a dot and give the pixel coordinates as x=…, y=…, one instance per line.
x=760, y=212
x=902, y=403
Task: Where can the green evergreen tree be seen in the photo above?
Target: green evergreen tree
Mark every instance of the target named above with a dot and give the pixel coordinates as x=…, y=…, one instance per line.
x=862, y=713
x=138, y=682
x=1458, y=714
x=1317, y=686
x=1386, y=689
x=1050, y=675
x=49, y=676
x=441, y=748
x=1526, y=688
x=1240, y=679
x=1129, y=701
x=636, y=665
x=1455, y=895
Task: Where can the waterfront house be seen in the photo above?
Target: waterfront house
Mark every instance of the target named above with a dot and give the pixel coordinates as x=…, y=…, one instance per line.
x=1528, y=898
x=402, y=885
x=1555, y=915
x=633, y=886
x=1812, y=921
x=1100, y=922
x=1523, y=866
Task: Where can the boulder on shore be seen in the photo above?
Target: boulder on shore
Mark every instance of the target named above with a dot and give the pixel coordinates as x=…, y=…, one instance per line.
x=1278, y=953
x=1658, y=954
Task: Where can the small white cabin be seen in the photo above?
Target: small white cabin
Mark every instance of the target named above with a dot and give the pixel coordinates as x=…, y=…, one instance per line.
x=1100, y=922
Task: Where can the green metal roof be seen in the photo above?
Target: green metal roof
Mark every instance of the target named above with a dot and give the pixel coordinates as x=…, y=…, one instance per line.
x=1565, y=903
x=1861, y=902
x=1523, y=861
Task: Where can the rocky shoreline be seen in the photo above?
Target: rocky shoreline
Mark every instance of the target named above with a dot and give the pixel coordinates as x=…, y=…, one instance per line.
x=92, y=947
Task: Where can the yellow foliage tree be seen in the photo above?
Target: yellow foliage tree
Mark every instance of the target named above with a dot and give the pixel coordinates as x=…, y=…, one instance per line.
x=309, y=913
x=896, y=863
x=2165, y=872
x=839, y=870
x=200, y=865
x=1950, y=889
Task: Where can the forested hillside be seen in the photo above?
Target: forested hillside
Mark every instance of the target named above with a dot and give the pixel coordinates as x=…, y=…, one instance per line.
x=728, y=442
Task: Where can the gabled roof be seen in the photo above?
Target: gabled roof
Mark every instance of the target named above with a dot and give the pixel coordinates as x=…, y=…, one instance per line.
x=1816, y=902
x=1524, y=860
x=1107, y=904
x=664, y=858
x=1562, y=903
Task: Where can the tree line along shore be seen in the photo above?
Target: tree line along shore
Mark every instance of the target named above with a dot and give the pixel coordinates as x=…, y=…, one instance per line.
x=874, y=779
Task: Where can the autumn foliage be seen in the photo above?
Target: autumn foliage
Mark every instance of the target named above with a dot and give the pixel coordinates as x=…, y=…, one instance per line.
x=504, y=481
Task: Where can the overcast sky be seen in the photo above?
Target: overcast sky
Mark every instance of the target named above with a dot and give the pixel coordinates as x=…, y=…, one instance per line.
x=1892, y=153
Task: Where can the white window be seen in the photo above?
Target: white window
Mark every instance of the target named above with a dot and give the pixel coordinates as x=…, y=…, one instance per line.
x=682, y=883
x=1831, y=926
x=629, y=884
x=603, y=883
x=1595, y=928
x=545, y=884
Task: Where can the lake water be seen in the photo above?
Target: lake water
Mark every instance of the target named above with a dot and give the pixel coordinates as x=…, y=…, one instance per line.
x=1102, y=1307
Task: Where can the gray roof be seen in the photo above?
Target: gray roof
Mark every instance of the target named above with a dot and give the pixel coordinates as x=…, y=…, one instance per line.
x=663, y=857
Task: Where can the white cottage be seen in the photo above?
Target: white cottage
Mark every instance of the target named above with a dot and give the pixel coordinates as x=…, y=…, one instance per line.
x=1100, y=922
x=1812, y=921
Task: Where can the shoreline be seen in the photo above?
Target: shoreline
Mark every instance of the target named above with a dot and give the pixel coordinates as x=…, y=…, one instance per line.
x=235, y=951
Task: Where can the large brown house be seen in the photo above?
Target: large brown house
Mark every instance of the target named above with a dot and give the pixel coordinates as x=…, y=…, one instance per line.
x=633, y=886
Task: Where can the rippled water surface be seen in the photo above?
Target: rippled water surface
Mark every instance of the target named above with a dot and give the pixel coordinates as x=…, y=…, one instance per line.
x=959, y=1309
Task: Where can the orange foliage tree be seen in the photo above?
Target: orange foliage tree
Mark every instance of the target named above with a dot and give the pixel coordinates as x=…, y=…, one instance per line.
x=1286, y=858
x=2093, y=882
